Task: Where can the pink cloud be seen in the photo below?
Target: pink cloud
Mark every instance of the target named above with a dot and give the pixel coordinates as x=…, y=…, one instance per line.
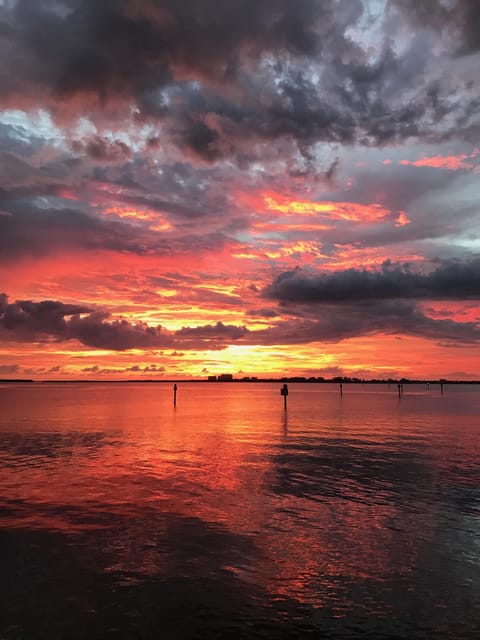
x=450, y=163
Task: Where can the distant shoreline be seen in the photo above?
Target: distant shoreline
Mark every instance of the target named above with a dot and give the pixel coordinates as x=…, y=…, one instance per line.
x=290, y=380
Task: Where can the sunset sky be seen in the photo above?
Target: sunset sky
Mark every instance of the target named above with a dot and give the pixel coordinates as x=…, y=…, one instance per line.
x=259, y=187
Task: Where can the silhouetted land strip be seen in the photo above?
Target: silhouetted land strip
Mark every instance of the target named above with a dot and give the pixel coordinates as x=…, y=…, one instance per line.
x=290, y=380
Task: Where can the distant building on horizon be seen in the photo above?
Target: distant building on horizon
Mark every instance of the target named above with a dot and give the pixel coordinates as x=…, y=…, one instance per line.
x=223, y=377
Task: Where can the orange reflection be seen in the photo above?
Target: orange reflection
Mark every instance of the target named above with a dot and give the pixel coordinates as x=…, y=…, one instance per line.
x=304, y=500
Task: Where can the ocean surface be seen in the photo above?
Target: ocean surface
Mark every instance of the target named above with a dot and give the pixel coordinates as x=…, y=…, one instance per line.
x=353, y=516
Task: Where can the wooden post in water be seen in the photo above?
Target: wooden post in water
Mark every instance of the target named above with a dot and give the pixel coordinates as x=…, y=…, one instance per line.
x=284, y=393
x=441, y=388
x=399, y=390
x=175, y=395
x=341, y=389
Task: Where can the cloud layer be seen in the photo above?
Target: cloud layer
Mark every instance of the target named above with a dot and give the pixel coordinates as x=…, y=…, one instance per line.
x=451, y=281
x=212, y=75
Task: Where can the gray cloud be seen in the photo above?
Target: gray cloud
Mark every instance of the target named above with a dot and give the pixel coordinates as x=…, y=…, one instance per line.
x=48, y=320
x=263, y=312
x=452, y=280
x=460, y=17
x=264, y=69
x=44, y=318
x=18, y=140
x=333, y=323
x=128, y=46
x=211, y=336
x=118, y=335
x=101, y=150
x=31, y=227
x=37, y=230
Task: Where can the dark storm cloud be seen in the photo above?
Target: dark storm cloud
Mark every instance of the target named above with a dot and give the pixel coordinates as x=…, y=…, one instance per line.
x=34, y=230
x=399, y=187
x=212, y=336
x=118, y=335
x=30, y=318
x=101, y=150
x=462, y=17
x=264, y=312
x=315, y=84
x=202, y=140
x=48, y=320
x=39, y=317
x=25, y=320
x=30, y=228
x=334, y=322
x=213, y=330
x=178, y=189
x=452, y=281
x=127, y=46
x=471, y=24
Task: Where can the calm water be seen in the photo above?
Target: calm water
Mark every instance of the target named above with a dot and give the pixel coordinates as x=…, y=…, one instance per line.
x=227, y=517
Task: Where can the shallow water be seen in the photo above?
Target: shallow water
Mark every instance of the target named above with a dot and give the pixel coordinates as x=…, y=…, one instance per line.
x=228, y=517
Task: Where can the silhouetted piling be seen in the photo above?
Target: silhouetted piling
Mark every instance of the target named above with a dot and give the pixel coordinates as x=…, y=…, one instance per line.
x=399, y=390
x=174, y=395
x=284, y=393
x=341, y=389
x=441, y=388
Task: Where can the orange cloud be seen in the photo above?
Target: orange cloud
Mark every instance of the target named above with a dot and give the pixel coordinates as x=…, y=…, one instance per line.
x=277, y=226
x=352, y=211
x=272, y=202
x=160, y=222
x=402, y=219
x=349, y=256
x=457, y=311
x=451, y=163
x=67, y=194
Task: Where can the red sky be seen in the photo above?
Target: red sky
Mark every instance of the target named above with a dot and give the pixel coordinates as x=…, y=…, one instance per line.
x=257, y=187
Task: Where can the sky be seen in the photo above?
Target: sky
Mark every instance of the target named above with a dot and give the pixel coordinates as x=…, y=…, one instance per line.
x=255, y=187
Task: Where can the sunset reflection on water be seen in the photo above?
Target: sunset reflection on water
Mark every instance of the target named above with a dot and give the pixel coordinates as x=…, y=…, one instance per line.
x=354, y=510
